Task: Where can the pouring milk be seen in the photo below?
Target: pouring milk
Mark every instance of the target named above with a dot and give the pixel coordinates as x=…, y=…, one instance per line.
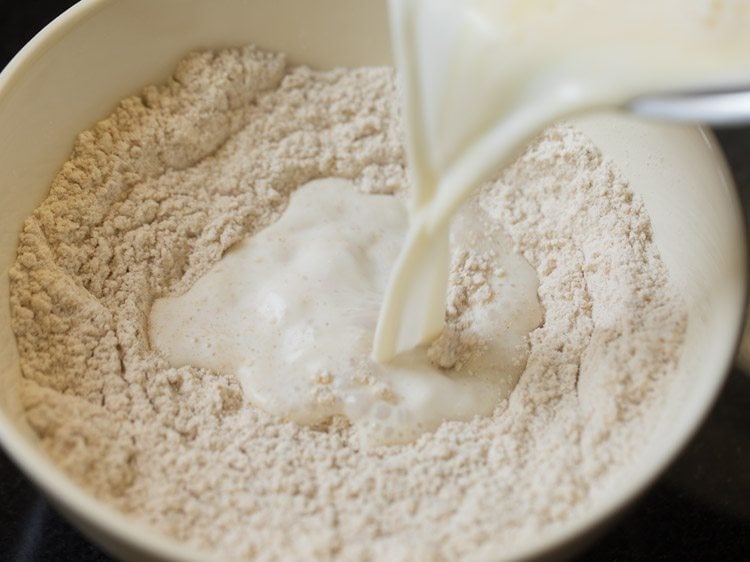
x=480, y=78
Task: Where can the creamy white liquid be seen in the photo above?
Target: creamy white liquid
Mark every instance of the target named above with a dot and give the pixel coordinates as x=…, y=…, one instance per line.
x=292, y=311
x=481, y=77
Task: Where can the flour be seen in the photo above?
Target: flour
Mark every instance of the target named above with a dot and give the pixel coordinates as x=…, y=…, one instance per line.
x=156, y=193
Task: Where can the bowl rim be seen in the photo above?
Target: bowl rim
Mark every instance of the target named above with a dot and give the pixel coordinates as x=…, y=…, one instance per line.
x=80, y=505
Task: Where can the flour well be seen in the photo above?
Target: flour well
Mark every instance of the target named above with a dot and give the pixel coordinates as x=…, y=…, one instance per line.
x=154, y=195
x=292, y=311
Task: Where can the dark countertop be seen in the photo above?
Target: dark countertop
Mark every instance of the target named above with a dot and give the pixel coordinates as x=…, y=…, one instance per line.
x=699, y=509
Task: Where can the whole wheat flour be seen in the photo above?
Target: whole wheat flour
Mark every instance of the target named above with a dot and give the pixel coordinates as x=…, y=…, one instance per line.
x=155, y=193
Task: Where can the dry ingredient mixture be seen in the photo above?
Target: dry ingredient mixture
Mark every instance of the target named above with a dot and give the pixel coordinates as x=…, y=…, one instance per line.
x=156, y=193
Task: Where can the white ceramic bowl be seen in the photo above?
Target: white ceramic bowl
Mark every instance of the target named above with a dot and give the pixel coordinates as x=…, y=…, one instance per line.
x=100, y=51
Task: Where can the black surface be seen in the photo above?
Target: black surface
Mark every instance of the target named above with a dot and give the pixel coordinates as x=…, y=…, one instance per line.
x=700, y=509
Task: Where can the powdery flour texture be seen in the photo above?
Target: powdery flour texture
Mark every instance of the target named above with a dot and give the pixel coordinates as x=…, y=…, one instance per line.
x=153, y=195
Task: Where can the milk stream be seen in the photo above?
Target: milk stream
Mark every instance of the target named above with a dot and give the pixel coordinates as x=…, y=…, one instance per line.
x=480, y=78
